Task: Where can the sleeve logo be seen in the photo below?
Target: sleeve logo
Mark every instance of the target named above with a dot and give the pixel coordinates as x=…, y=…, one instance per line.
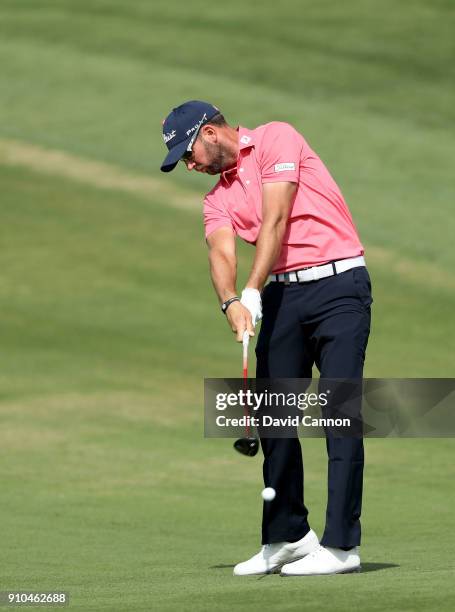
x=284, y=166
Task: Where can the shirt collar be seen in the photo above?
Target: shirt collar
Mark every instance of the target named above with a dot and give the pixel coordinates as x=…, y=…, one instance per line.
x=246, y=138
x=246, y=141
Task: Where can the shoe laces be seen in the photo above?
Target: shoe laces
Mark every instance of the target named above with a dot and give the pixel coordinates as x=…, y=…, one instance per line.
x=316, y=551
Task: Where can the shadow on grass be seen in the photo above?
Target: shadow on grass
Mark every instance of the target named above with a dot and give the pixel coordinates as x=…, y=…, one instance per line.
x=366, y=567
x=374, y=567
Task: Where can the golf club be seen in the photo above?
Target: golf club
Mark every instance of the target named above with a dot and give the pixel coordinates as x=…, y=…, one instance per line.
x=249, y=445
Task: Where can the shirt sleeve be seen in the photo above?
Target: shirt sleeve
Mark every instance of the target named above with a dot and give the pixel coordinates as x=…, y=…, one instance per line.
x=215, y=215
x=280, y=153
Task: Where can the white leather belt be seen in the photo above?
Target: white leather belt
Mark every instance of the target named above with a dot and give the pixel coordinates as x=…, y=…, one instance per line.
x=306, y=275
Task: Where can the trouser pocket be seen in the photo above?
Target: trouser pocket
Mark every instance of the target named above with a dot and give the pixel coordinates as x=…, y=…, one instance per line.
x=362, y=284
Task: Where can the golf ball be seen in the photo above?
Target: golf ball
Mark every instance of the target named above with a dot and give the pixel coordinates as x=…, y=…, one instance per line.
x=268, y=494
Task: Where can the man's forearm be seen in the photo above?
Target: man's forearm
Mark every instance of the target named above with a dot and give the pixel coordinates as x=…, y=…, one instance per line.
x=223, y=270
x=268, y=248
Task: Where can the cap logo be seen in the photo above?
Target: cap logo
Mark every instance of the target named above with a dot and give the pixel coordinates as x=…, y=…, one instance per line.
x=197, y=126
x=169, y=136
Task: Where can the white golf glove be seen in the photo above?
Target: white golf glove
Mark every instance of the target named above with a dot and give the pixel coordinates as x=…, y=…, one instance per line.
x=251, y=299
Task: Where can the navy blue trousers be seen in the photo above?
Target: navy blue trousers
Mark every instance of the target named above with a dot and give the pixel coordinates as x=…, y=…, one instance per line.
x=324, y=323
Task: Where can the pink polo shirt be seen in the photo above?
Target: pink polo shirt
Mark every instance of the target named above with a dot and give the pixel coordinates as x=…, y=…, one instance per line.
x=320, y=227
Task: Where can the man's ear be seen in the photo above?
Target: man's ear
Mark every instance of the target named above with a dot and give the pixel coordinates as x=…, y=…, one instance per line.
x=209, y=133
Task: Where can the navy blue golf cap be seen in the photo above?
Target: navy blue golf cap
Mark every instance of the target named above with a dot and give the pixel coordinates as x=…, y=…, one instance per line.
x=181, y=127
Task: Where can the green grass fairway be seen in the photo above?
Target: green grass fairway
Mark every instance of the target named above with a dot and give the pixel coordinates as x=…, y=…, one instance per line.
x=109, y=323
x=108, y=488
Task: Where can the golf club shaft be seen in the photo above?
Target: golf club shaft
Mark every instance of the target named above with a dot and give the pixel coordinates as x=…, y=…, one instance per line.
x=245, y=343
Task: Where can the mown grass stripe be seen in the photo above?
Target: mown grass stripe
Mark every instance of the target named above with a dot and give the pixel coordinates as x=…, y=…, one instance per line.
x=112, y=177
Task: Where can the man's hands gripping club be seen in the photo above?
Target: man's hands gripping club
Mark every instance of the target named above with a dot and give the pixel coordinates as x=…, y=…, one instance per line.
x=245, y=314
x=251, y=299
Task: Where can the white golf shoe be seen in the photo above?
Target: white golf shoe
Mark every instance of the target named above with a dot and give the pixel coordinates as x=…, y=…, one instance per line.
x=324, y=561
x=272, y=557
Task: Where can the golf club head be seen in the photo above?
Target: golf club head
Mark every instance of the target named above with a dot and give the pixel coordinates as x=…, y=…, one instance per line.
x=247, y=446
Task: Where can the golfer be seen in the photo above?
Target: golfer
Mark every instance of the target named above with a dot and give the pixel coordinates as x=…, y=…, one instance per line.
x=275, y=193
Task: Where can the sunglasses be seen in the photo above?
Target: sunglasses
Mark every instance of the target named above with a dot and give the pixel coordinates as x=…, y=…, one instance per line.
x=187, y=156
